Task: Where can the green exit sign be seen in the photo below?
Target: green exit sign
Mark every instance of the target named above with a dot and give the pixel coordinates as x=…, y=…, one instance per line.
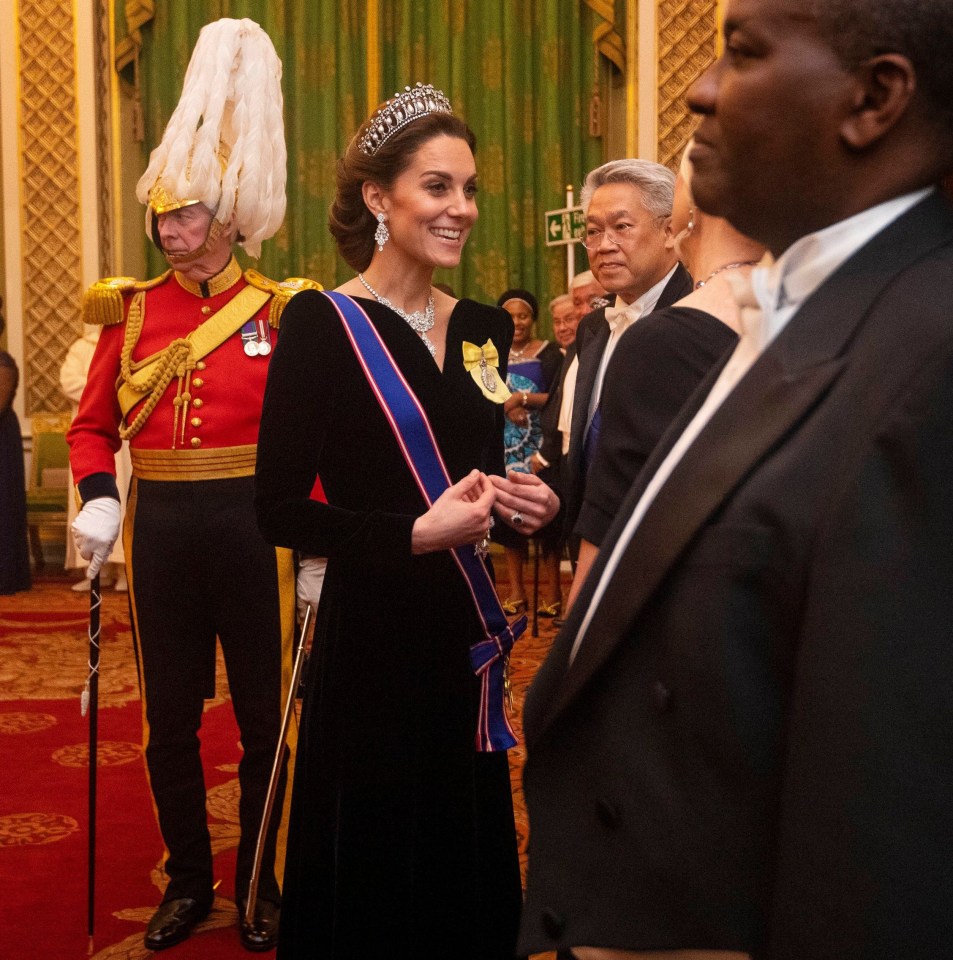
x=565, y=226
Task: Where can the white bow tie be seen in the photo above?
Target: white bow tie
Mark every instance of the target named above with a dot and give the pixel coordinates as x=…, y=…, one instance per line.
x=750, y=311
x=622, y=317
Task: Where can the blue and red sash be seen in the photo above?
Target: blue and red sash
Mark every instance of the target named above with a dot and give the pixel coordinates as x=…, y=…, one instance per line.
x=419, y=446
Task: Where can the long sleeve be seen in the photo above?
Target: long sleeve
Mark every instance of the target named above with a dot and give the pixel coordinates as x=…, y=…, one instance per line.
x=307, y=383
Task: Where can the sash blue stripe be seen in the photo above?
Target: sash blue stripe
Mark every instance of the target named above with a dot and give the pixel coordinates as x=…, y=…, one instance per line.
x=419, y=446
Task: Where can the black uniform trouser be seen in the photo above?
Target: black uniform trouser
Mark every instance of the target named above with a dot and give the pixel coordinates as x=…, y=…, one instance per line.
x=200, y=569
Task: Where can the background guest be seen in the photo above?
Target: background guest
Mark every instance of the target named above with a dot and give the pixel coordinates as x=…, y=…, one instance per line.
x=628, y=204
x=661, y=360
x=546, y=463
x=14, y=545
x=533, y=367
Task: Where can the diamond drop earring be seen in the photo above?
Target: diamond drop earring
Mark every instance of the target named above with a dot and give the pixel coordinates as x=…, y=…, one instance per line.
x=381, y=234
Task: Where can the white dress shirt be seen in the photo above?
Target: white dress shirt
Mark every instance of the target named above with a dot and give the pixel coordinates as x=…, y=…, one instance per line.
x=620, y=317
x=779, y=288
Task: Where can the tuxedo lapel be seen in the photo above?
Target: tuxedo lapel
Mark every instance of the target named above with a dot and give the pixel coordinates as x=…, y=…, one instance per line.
x=679, y=285
x=780, y=390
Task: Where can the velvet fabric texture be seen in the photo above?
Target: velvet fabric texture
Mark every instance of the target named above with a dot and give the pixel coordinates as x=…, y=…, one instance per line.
x=402, y=837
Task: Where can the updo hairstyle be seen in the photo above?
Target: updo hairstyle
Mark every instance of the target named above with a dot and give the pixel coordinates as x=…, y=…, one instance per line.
x=351, y=223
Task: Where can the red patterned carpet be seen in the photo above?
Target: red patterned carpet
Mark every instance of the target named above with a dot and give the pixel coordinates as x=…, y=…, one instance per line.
x=44, y=771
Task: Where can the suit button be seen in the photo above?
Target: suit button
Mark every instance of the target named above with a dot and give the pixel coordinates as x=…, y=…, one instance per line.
x=609, y=813
x=661, y=696
x=553, y=923
x=196, y=442
x=198, y=382
x=196, y=421
x=197, y=403
x=200, y=365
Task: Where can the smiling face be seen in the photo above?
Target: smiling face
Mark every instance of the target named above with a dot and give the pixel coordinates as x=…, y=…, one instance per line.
x=431, y=207
x=639, y=258
x=565, y=322
x=523, y=319
x=768, y=147
x=582, y=297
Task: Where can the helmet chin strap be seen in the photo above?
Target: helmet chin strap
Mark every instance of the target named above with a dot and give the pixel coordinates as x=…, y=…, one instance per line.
x=212, y=238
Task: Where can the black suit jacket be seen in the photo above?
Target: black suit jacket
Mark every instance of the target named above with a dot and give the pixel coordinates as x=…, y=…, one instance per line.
x=752, y=748
x=552, y=446
x=592, y=336
x=656, y=366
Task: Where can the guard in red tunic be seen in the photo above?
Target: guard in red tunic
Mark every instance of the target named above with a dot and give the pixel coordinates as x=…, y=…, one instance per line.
x=180, y=373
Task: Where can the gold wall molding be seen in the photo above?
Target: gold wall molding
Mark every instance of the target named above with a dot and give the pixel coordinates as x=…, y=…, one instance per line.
x=105, y=178
x=51, y=240
x=687, y=31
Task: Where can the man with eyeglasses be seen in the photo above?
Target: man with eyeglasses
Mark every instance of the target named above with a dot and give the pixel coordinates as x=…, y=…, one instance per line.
x=628, y=206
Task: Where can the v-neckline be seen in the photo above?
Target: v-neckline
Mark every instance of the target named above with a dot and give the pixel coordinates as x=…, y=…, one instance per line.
x=423, y=346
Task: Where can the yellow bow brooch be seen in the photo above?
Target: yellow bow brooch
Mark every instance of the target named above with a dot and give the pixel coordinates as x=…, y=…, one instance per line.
x=484, y=366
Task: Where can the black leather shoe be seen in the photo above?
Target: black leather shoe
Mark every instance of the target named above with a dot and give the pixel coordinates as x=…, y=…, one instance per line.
x=174, y=921
x=261, y=932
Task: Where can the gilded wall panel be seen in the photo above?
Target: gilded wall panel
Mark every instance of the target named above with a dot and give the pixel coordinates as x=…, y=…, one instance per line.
x=51, y=264
x=686, y=47
x=104, y=172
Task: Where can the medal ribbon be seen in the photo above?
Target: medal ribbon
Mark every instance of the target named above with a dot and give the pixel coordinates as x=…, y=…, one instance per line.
x=419, y=446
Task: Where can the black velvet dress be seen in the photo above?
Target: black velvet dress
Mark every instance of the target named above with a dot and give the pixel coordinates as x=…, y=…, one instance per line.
x=402, y=840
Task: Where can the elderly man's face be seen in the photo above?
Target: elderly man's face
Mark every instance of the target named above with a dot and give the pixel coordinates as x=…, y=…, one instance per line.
x=631, y=256
x=582, y=297
x=565, y=322
x=771, y=110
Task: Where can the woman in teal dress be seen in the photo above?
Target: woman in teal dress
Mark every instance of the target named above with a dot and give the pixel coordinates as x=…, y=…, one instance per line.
x=533, y=367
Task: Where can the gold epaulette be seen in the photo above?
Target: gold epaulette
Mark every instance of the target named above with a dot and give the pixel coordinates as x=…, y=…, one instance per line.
x=281, y=293
x=103, y=301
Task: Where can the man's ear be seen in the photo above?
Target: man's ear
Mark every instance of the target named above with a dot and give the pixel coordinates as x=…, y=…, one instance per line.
x=669, y=235
x=884, y=89
x=373, y=197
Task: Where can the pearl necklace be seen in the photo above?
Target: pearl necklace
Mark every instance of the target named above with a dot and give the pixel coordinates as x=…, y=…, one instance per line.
x=420, y=321
x=727, y=266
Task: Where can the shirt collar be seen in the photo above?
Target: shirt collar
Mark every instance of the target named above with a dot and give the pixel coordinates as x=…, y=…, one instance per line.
x=784, y=284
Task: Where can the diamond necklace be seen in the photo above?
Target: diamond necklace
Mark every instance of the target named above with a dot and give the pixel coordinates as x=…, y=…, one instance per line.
x=420, y=321
x=727, y=266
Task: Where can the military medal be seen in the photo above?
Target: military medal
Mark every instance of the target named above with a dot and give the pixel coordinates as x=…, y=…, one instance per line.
x=255, y=339
x=487, y=374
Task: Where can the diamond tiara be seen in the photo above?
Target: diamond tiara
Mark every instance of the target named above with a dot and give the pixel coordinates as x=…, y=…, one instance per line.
x=403, y=108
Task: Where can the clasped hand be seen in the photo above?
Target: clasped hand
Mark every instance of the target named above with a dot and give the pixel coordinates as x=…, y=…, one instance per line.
x=462, y=513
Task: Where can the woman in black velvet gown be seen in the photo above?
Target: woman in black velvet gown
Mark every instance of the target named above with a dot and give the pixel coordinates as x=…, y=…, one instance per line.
x=402, y=840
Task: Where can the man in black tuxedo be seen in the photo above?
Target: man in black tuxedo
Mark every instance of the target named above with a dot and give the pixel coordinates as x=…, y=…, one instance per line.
x=740, y=743
x=628, y=206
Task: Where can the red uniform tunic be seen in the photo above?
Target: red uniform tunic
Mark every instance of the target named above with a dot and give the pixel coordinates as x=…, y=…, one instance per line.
x=198, y=567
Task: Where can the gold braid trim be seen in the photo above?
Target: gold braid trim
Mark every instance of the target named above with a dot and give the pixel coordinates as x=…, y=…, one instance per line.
x=281, y=292
x=103, y=301
x=175, y=360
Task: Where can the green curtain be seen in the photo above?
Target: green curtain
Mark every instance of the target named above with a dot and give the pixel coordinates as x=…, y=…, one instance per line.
x=521, y=72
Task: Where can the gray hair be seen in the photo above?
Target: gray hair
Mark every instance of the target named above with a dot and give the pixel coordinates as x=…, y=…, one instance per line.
x=582, y=279
x=556, y=301
x=920, y=30
x=655, y=183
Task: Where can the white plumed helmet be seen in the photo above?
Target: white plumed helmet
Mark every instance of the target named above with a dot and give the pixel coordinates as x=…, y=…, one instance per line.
x=224, y=145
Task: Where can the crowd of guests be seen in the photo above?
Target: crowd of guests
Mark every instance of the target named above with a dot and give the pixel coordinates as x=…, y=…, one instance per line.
x=738, y=746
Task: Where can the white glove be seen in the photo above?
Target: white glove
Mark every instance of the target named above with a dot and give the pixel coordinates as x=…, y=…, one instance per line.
x=95, y=530
x=310, y=581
